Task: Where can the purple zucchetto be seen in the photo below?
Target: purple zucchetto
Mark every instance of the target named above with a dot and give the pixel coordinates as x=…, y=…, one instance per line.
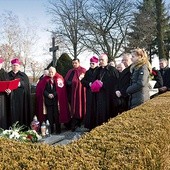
x=15, y=61
x=94, y=60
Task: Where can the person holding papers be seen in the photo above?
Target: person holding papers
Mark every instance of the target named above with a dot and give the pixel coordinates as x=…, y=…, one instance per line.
x=20, y=97
x=3, y=97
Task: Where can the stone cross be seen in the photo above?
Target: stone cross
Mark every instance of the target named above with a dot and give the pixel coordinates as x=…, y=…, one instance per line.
x=54, y=49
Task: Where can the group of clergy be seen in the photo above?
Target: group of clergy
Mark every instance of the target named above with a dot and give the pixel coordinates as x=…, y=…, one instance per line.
x=95, y=95
x=89, y=97
x=81, y=97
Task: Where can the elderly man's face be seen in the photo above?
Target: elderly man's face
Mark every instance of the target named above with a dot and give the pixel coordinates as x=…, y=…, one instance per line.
x=103, y=60
x=15, y=67
x=127, y=61
x=162, y=64
x=120, y=67
x=52, y=72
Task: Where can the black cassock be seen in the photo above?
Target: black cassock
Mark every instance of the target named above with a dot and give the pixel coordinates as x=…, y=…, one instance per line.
x=20, y=100
x=90, y=119
x=104, y=98
x=3, y=102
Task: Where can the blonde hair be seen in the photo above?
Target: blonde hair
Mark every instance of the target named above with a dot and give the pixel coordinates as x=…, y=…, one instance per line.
x=143, y=59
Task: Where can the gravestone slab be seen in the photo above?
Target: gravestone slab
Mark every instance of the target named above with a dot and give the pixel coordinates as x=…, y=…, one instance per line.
x=69, y=137
x=52, y=139
x=63, y=142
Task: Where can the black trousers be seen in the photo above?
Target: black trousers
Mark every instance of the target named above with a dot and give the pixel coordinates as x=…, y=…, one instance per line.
x=53, y=117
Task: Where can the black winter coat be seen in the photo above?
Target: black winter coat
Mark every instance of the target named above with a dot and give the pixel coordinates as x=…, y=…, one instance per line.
x=121, y=103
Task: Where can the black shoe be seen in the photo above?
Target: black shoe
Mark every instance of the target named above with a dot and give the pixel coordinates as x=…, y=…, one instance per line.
x=74, y=124
x=79, y=123
x=58, y=131
x=58, y=128
x=68, y=125
x=73, y=128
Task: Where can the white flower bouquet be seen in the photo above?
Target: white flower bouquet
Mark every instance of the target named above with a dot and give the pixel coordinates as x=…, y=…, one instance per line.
x=16, y=132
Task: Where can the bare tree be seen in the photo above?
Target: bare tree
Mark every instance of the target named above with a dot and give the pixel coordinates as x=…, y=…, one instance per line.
x=35, y=69
x=28, y=38
x=105, y=24
x=66, y=16
x=17, y=38
x=9, y=30
x=98, y=25
x=7, y=53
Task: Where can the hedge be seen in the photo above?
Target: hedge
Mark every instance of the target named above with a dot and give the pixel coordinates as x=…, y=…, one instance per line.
x=138, y=139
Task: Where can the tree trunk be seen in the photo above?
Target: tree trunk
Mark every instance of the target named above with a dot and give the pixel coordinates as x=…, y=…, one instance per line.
x=160, y=36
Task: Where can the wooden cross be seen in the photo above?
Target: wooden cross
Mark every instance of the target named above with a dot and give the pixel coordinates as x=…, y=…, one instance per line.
x=54, y=49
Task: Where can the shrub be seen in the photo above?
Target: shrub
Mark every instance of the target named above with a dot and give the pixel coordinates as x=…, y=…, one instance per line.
x=64, y=64
x=136, y=139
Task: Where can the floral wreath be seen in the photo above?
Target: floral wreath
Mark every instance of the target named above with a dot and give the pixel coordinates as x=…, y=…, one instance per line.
x=16, y=132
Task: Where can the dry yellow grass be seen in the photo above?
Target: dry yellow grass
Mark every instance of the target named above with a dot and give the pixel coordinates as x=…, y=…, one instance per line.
x=135, y=140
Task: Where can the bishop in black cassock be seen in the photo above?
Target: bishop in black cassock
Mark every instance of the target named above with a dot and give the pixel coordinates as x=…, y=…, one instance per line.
x=19, y=98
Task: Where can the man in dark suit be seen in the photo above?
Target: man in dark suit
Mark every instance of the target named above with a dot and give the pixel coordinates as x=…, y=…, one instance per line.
x=165, y=73
x=121, y=99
